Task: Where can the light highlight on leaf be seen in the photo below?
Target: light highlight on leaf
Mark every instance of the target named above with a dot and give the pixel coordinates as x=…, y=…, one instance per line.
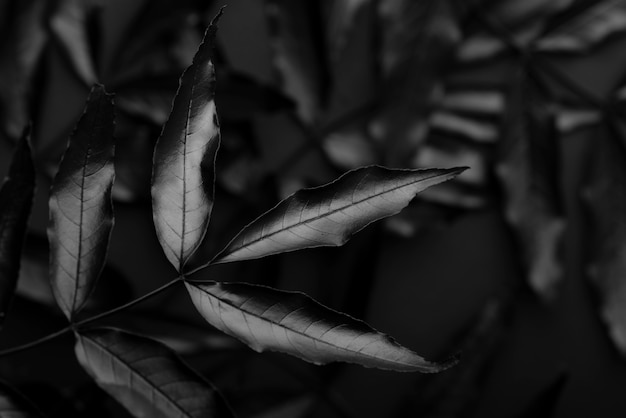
x=81, y=212
x=293, y=323
x=145, y=376
x=184, y=159
x=329, y=215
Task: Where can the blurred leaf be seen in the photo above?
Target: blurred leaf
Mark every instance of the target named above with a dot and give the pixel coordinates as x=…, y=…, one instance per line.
x=297, y=57
x=293, y=323
x=145, y=376
x=160, y=39
x=297, y=407
x=242, y=97
x=16, y=200
x=22, y=40
x=454, y=394
x=417, y=44
x=179, y=334
x=593, y=23
x=81, y=212
x=69, y=24
x=183, y=180
x=605, y=199
x=329, y=215
x=545, y=403
x=34, y=282
x=529, y=171
x=14, y=405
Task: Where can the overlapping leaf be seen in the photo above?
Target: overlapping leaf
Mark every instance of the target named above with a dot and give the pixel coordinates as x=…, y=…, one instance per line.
x=22, y=41
x=184, y=159
x=297, y=57
x=329, y=215
x=593, y=23
x=293, y=323
x=145, y=376
x=81, y=213
x=14, y=405
x=605, y=198
x=16, y=199
x=528, y=169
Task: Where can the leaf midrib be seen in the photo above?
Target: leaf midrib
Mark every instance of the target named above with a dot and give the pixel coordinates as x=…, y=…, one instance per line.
x=140, y=375
x=359, y=353
x=315, y=218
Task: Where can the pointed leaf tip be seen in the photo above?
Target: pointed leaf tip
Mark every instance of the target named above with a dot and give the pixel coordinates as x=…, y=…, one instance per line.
x=292, y=322
x=16, y=199
x=183, y=178
x=81, y=210
x=330, y=215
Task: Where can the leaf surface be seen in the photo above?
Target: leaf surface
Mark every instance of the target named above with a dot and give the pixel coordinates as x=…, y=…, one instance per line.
x=16, y=199
x=69, y=25
x=605, y=199
x=329, y=215
x=587, y=28
x=81, y=212
x=291, y=322
x=145, y=376
x=14, y=405
x=297, y=58
x=529, y=170
x=183, y=179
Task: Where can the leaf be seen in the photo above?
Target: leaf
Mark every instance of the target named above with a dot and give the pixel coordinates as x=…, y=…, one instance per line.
x=329, y=215
x=417, y=45
x=34, y=282
x=604, y=195
x=589, y=27
x=529, y=170
x=183, y=180
x=296, y=56
x=69, y=25
x=16, y=200
x=22, y=40
x=81, y=211
x=146, y=377
x=14, y=405
x=291, y=322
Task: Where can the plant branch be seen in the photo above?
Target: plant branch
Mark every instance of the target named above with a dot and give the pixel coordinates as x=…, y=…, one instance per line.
x=94, y=318
x=134, y=302
x=35, y=343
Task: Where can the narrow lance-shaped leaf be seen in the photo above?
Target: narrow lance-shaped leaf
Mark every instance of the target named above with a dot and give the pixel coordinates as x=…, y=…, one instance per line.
x=14, y=405
x=81, y=211
x=293, y=323
x=145, y=376
x=184, y=159
x=329, y=215
x=16, y=199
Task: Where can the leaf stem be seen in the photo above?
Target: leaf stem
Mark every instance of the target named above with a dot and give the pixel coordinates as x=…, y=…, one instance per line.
x=35, y=343
x=94, y=318
x=131, y=303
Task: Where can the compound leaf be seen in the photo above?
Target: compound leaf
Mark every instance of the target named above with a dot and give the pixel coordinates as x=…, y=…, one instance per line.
x=291, y=322
x=184, y=159
x=16, y=199
x=329, y=215
x=145, y=376
x=81, y=211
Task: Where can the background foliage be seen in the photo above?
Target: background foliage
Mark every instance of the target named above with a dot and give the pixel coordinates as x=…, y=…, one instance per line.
x=520, y=261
